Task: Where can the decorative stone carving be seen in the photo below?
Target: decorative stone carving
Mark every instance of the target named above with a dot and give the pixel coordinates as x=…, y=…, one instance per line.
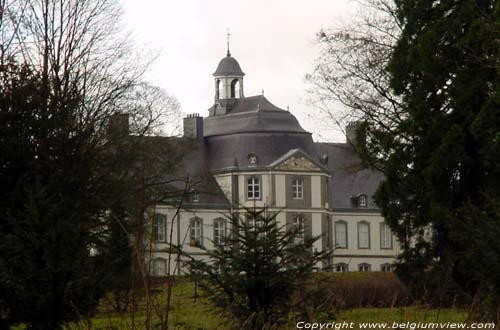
x=298, y=163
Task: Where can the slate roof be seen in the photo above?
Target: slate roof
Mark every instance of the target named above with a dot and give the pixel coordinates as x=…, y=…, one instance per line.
x=253, y=125
x=223, y=152
x=250, y=115
x=228, y=66
x=349, y=178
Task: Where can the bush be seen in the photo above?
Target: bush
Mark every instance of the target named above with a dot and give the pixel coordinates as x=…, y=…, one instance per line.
x=326, y=293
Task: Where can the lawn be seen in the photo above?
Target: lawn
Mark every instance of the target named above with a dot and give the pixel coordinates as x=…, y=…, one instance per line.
x=188, y=312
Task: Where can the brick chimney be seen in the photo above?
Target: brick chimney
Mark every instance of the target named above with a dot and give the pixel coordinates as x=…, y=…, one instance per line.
x=193, y=126
x=118, y=125
x=350, y=132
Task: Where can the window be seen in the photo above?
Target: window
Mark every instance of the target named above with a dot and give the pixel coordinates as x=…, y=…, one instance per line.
x=253, y=222
x=385, y=236
x=362, y=201
x=386, y=267
x=253, y=188
x=363, y=235
x=328, y=235
x=159, y=223
x=298, y=222
x=252, y=159
x=364, y=267
x=341, y=234
x=341, y=267
x=195, y=198
x=159, y=267
x=219, y=231
x=196, y=232
x=297, y=188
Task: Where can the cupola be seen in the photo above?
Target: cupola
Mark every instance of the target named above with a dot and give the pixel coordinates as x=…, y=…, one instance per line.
x=228, y=79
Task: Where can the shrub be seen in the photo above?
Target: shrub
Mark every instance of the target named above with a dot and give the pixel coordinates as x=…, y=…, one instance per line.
x=326, y=293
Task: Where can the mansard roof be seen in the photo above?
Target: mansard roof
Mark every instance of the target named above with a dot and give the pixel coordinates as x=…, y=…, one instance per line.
x=350, y=179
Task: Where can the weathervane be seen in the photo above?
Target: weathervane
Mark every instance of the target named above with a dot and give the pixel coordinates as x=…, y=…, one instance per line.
x=228, y=34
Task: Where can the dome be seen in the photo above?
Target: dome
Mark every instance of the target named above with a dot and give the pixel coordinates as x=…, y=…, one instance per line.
x=249, y=115
x=228, y=66
x=253, y=126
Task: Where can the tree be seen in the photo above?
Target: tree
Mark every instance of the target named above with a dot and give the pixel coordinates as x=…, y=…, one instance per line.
x=251, y=276
x=49, y=222
x=446, y=178
x=350, y=81
x=66, y=70
x=422, y=79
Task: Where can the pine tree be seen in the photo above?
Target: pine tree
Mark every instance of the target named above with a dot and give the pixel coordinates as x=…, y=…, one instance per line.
x=251, y=276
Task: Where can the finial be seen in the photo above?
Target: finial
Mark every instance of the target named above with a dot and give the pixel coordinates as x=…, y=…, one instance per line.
x=262, y=91
x=228, y=34
x=287, y=108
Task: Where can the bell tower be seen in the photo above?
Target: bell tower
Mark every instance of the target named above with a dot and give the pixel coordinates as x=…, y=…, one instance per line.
x=228, y=78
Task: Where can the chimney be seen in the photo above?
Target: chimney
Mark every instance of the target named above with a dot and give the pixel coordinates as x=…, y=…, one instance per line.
x=118, y=125
x=193, y=126
x=350, y=132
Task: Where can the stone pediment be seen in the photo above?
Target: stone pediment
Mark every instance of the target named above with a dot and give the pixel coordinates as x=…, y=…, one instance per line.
x=296, y=160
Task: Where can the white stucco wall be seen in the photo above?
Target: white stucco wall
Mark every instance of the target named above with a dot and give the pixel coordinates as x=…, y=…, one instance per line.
x=316, y=191
x=280, y=190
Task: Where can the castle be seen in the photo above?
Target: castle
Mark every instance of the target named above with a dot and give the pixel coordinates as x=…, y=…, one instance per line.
x=256, y=154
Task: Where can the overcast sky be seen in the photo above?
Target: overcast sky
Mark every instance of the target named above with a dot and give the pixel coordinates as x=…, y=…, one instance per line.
x=273, y=40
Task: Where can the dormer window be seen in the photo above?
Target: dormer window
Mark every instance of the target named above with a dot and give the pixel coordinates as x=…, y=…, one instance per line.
x=252, y=159
x=359, y=201
x=362, y=201
x=195, y=198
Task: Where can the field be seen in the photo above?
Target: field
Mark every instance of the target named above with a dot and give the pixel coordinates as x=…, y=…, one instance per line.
x=190, y=312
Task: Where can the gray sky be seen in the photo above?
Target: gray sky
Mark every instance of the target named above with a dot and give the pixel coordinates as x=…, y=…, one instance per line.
x=273, y=40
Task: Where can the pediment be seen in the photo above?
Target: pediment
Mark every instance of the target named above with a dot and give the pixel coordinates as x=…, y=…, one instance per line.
x=296, y=161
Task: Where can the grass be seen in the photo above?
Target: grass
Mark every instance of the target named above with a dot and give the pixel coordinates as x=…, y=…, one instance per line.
x=188, y=312
x=405, y=314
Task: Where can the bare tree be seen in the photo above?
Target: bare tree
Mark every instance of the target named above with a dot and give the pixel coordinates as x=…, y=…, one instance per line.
x=350, y=81
x=83, y=70
x=78, y=45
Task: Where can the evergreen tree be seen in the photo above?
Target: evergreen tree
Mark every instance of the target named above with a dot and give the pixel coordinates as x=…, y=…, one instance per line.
x=51, y=200
x=442, y=189
x=251, y=276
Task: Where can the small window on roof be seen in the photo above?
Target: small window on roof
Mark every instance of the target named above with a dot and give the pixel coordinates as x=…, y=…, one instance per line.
x=252, y=159
x=362, y=201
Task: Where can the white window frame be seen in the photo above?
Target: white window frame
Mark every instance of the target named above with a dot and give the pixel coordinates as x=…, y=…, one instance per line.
x=195, y=198
x=219, y=231
x=297, y=188
x=362, y=201
x=159, y=225
x=364, y=267
x=253, y=188
x=385, y=236
x=299, y=222
x=196, y=231
x=386, y=267
x=361, y=239
x=341, y=267
x=338, y=244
